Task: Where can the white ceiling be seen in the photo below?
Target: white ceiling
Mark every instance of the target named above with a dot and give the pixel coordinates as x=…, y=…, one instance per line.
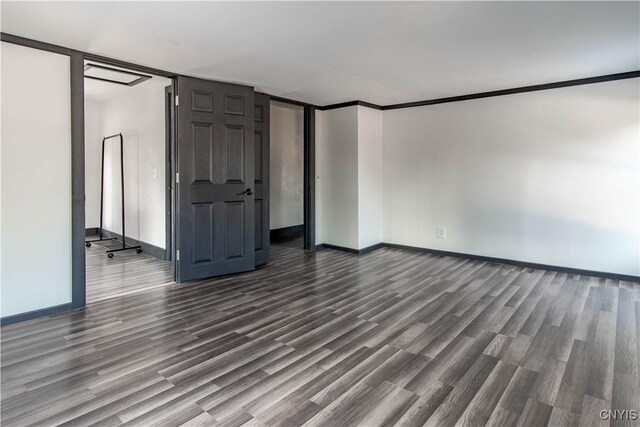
x=329, y=52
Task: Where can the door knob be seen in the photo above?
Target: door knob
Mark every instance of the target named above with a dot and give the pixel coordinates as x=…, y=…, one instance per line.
x=246, y=192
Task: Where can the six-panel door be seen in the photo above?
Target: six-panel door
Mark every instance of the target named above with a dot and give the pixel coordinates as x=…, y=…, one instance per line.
x=216, y=188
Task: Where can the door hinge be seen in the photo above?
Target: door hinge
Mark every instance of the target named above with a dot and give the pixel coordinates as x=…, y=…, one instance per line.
x=177, y=177
x=177, y=254
x=177, y=100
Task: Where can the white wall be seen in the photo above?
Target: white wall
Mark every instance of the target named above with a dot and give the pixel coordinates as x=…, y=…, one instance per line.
x=139, y=114
x=548, y=177
x=92, y=153
x=337, y=164
x=287, y=165
x=35, y=180
x=349, y=177
x=370, y=180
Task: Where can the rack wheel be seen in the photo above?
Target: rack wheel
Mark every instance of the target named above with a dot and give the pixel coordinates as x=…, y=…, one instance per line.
x=88, y=244
x=138, y=251
x=110, y=255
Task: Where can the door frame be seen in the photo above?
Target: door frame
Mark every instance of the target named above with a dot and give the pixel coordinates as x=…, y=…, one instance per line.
x=309, y=169
x=171, y=214
x=309, y=178
x=170, y=157
x=169, y=161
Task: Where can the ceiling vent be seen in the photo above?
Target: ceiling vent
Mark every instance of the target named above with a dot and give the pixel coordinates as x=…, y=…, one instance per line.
x=113, y=75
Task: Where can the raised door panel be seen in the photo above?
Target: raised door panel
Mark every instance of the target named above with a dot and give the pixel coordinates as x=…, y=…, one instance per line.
x=203, y=149
x=234, y=154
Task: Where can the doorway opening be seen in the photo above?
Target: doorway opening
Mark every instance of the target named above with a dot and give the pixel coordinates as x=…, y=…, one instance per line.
x=287, y=219
x=128, y=198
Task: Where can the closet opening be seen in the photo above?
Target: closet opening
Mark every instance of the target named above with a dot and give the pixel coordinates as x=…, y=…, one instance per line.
x=287, y=169
x=128, y=188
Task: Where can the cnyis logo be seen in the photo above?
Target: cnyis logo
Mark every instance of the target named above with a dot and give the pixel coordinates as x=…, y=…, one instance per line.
x=619, y=414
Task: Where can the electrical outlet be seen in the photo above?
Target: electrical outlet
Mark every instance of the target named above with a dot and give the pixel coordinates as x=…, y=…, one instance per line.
x=441, y=232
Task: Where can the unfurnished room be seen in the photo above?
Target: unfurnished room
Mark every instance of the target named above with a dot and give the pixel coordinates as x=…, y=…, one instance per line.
x=320, y=213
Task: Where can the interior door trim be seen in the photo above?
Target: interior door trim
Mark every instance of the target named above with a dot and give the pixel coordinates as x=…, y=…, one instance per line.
x=309, y=178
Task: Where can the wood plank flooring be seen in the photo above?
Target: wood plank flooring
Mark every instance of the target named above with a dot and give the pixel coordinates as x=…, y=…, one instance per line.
x=393, y=337
x=125, y=273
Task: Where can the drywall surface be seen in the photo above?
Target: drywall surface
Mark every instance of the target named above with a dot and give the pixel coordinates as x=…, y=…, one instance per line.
x=139, y=114
x=370, y=177
x=548, y=177
x=287, y=165
x=92, y=153
x=337, y=177
x=35, y=180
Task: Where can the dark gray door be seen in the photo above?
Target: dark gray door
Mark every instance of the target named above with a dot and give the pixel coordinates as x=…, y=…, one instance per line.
x=215, y=149
x=261, y=175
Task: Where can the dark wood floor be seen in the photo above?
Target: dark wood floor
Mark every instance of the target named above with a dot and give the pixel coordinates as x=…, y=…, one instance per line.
x=392, y=337
x=127, y=272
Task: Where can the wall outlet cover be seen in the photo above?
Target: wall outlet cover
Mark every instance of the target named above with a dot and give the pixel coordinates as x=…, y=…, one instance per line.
x=441, y=232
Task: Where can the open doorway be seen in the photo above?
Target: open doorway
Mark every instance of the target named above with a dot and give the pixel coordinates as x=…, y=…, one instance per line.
x=287, y=217
x=127, y=181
